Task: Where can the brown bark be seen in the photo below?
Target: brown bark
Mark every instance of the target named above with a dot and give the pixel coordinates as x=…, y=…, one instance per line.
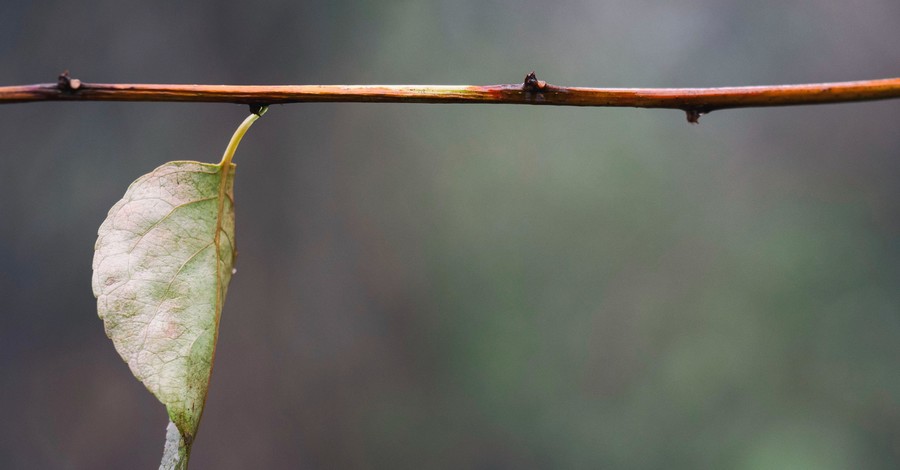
x=694, y=101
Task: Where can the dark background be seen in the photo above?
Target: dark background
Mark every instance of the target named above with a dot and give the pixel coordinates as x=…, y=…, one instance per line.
x=473, y=286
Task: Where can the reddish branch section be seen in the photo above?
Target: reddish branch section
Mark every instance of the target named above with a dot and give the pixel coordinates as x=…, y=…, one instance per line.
x=694, y=101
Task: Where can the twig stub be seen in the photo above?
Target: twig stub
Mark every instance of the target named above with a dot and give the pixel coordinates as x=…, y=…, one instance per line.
x=532, y=83
x=693, y=115
x=66, y=83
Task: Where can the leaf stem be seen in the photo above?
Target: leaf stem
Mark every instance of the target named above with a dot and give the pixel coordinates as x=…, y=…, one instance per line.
x=176, y=452
x=238, y=135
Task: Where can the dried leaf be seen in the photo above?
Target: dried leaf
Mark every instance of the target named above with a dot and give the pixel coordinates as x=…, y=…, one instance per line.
x=164, y=257
x=162, y=265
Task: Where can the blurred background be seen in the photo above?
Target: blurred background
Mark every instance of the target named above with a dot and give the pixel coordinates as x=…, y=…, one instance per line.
x=472, y=286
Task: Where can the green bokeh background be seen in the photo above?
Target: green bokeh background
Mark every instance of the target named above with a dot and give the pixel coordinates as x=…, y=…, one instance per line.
x=473, y=286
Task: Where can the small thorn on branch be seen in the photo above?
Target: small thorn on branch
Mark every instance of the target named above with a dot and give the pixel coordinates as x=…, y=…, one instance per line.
x=66, y=83
x=693, y=115
x=532, y=84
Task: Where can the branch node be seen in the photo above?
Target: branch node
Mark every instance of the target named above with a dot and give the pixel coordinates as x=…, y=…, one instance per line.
x=67, y=84
x=532, y=84
x=693, y=115
x=259, y=109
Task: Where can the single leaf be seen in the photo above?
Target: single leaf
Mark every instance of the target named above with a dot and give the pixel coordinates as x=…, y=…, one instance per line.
x=162, y=265
x=164, y=257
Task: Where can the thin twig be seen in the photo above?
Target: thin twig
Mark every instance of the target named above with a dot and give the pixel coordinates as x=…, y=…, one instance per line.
x=694, y=101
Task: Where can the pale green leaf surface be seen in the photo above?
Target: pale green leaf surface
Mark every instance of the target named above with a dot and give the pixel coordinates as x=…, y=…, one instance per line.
x=163, y=261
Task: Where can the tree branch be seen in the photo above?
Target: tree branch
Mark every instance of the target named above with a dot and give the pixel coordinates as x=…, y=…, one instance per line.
x=694, y=101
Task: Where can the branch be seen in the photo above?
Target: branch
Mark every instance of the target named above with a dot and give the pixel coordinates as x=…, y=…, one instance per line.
x=693, y=101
